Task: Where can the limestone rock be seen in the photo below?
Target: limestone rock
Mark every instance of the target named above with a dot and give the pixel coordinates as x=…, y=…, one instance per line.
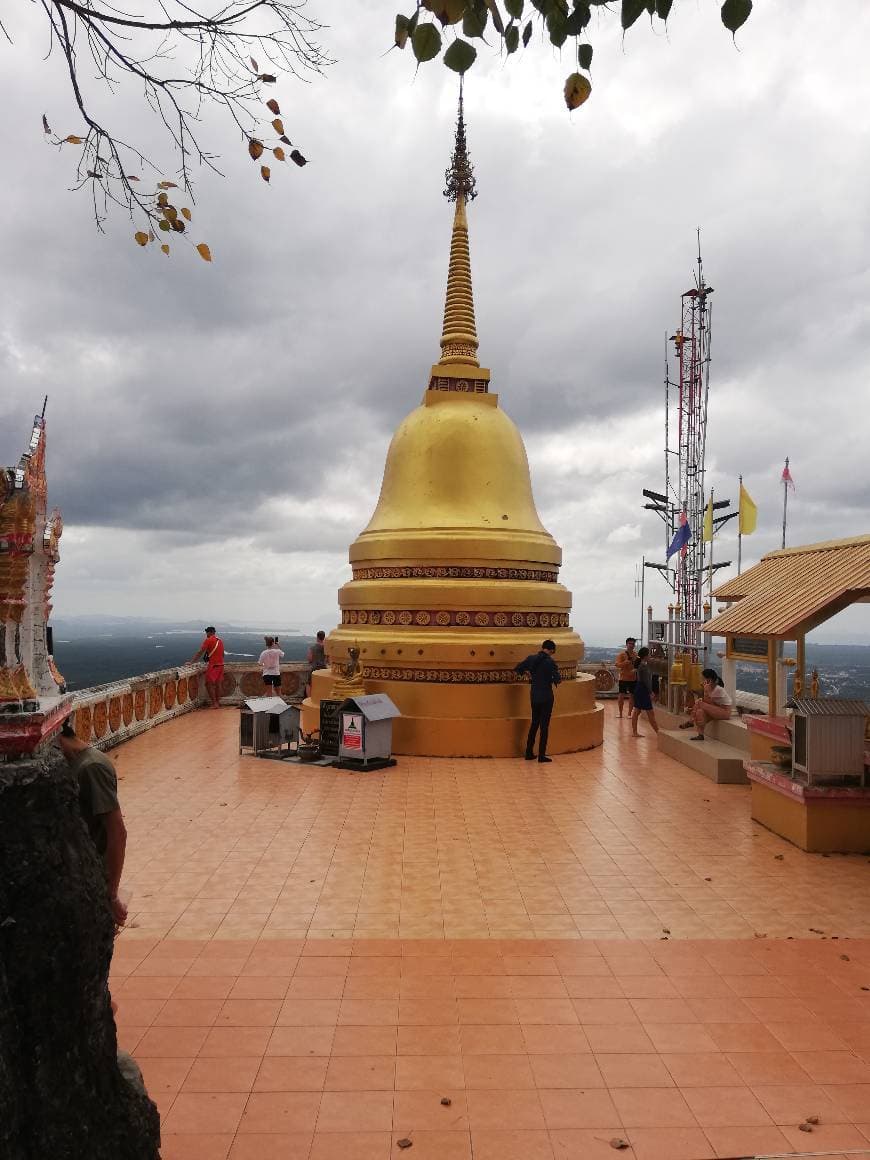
x=61, y=1090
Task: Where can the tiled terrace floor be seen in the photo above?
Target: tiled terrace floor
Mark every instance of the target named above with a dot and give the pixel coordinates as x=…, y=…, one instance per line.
x=319, y=959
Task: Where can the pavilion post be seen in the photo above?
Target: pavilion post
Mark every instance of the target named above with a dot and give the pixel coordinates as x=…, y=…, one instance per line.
x=771, y=677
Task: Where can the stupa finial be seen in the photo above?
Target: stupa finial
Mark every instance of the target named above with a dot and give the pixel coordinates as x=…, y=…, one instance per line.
x=459, y=175
x=459, y=333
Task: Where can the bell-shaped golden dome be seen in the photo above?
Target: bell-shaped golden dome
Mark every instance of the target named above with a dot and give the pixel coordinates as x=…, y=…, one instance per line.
x=456, y=486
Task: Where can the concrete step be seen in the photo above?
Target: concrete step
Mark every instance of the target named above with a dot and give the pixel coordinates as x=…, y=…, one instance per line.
x=716, y=760
x=731, y=732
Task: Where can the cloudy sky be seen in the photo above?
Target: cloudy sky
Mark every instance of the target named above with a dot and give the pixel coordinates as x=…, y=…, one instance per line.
x=217, y=432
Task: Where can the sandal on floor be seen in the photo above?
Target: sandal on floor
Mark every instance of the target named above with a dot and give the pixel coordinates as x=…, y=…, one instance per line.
x=698, y=737
x=687, y=725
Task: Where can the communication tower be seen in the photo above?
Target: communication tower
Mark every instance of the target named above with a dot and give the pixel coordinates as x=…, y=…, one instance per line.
x=684, y=501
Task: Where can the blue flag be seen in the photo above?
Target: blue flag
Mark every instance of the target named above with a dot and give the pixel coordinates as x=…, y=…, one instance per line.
x=681, y=538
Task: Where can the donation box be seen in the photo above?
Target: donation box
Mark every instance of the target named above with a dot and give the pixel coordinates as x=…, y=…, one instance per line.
x=366, y=730
x=268, y=726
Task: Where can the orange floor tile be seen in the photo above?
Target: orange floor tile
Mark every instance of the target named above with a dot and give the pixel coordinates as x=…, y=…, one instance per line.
x=487, y=958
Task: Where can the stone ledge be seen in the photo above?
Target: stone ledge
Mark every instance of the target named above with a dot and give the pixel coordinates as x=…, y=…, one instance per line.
x=716, y=760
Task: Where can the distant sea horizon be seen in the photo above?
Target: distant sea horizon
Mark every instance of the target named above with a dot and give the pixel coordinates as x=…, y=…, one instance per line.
x=89, y=651
x=93, y=651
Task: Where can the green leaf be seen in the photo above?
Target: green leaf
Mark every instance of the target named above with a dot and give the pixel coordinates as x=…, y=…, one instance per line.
x=460, y=56
x=512, y=38
x=584, y=56
x=735, y=13
x=527, y=34
x=447, y=11
x=578, y=20
x=474, y=21
x=497, y=21
x=426, y=42
x=402, y=30
x=557, y=26
x=663, y=8
x=514, y=8
x=631, y=10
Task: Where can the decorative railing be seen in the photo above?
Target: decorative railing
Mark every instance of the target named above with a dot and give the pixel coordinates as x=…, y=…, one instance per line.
x=106, y=715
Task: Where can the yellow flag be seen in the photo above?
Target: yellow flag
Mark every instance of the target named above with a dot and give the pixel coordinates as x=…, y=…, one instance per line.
x=708, y=521
x=748, y=517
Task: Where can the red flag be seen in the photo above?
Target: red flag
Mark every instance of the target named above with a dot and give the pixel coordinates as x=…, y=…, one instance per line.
x=786, y=477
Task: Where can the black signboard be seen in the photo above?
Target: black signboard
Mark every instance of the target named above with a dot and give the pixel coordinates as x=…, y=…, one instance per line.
x=330, y=727
x=749, y=647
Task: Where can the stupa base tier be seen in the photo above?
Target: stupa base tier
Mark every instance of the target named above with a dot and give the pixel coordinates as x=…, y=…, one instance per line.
x=475, y=720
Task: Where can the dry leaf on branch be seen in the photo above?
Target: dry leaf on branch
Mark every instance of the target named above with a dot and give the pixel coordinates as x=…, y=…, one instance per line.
x=298, y=158
x=265, y=172
x=255, y=148
x=279, y=153
x=273, y=106
x=141, y=237
x=204, y=252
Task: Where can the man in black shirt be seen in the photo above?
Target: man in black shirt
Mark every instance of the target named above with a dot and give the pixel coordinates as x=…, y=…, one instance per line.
x=543, y=675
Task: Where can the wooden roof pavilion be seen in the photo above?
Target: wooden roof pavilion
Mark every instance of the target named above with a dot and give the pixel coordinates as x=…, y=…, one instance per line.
x=790, y=592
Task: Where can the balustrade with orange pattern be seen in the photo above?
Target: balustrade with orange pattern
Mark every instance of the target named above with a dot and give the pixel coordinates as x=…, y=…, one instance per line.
x=107, y=715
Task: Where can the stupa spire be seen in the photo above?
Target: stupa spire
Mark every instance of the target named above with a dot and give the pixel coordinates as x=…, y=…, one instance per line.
x=459, y=332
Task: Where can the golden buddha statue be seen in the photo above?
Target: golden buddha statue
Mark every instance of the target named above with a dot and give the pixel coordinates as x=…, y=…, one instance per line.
x=455, y=578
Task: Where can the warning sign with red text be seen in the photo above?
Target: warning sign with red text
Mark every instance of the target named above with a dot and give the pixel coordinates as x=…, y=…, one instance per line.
x=351, y=732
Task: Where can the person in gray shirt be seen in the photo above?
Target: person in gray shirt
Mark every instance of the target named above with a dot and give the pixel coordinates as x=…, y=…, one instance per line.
x=101, y=810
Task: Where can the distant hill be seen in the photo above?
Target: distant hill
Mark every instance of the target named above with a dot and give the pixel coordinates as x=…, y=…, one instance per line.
x=844, y=669
x=94, y=650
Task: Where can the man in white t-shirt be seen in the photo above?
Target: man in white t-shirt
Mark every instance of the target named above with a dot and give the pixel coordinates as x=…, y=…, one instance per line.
x=714, y=706
x=270, y=662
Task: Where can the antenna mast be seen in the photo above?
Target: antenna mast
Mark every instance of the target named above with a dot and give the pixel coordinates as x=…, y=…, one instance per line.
x=684, y=500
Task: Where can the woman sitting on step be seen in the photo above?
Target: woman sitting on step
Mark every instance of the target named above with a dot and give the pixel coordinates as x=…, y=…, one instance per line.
x=715, y=704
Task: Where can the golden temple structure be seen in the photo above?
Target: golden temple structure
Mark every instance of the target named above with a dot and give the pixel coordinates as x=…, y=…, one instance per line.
x=28, y=554
x=32, y=703
x=455, y=578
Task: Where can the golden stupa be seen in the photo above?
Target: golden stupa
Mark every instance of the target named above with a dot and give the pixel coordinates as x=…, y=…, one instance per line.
x=455, y=579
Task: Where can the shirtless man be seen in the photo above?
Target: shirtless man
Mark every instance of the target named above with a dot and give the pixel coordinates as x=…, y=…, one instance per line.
x=627, y=674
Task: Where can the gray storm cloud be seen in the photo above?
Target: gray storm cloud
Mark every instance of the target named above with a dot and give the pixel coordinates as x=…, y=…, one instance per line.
x=242, y=410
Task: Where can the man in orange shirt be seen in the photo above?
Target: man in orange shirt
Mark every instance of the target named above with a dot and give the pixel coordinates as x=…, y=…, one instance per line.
x=627, y=674
x=212, y=652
